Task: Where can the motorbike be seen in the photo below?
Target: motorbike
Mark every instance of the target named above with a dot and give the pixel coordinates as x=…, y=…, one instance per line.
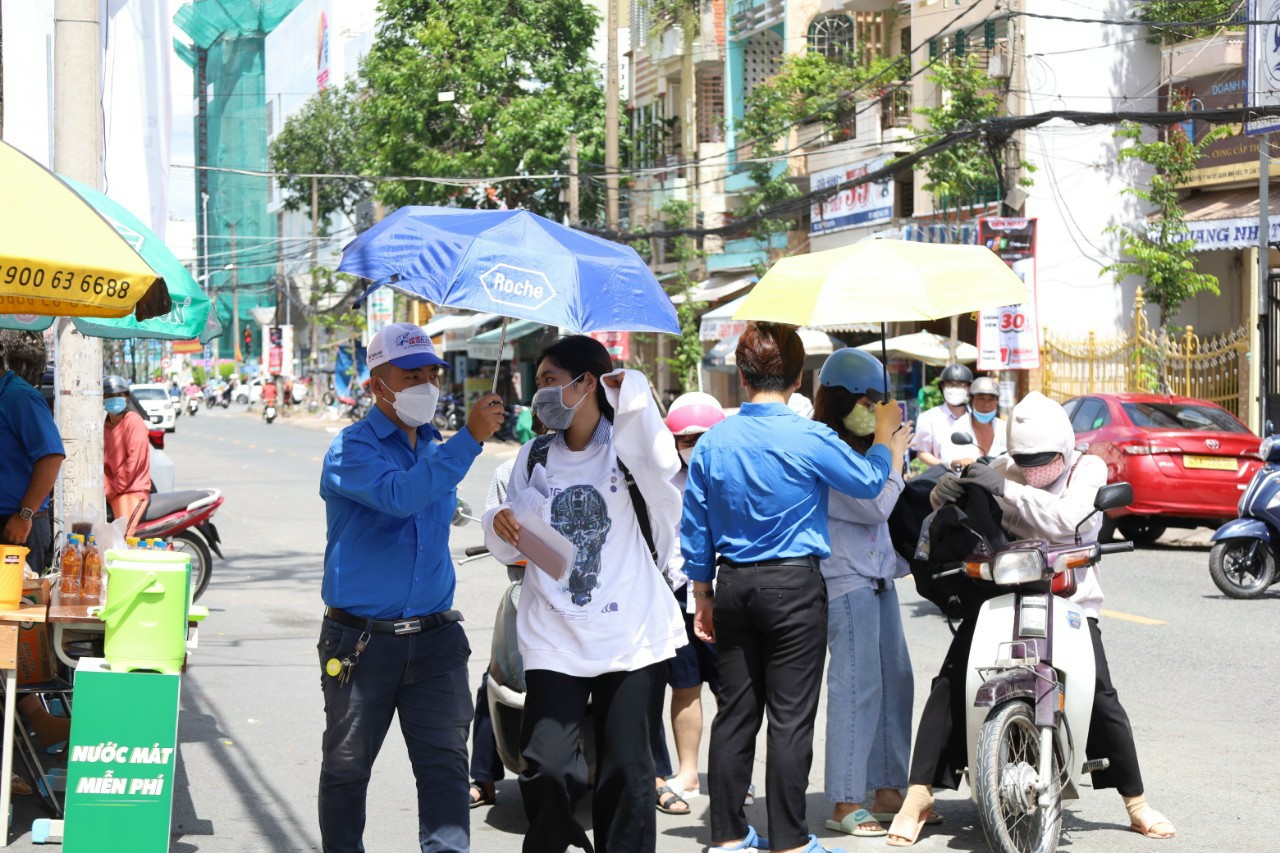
x=176, y=402
x=1242, y=561
x=185, y=519
x=218, y=397
x=269, y=412
x=507, y=432
x=193, y=406
x=1029, y=684
x=449, y=413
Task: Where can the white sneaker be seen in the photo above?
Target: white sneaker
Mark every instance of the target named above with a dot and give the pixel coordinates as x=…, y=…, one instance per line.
x=750, y=799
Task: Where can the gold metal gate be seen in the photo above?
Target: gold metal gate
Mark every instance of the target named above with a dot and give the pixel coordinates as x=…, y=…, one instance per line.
x=1215, y=369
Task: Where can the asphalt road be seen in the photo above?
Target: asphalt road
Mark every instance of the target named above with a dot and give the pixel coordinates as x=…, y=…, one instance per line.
x=1190, y=665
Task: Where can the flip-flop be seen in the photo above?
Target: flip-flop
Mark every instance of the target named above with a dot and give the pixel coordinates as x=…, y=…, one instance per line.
x=683, y=793
x=665, y=808
x=485, y=798
x=1147, y=827
x=853, y=823
x=905, y=832
x=888, y=817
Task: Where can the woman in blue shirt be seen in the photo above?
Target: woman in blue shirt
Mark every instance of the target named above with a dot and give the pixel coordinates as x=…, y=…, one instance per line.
x=755, y=506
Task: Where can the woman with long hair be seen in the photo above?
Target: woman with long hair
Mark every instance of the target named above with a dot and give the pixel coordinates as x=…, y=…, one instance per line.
x=870, y=686
x=603, y=629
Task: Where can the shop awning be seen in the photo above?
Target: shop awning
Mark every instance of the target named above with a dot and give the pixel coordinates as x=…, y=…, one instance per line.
x=817, y=345
x=515, y=330
x=718, y=323
x=922, y=346
x=716, y=288
x=1226, y=220
x=442, y=323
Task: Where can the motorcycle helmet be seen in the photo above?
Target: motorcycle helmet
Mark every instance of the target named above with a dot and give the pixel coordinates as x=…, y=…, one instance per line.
x=693, y=413
x=983, y=385
x=858, y=372
x=956, y=373
x=114, y=385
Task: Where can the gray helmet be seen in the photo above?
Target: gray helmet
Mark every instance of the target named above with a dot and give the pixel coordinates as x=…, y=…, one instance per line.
x=983, y=385
x=24, y=353
x=956, y=373
x=114, y=385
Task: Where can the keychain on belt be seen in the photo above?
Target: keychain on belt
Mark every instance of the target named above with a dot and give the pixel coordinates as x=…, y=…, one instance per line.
x=342, y=669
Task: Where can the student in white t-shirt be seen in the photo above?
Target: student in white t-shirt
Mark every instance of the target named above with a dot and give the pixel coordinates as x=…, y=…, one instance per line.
x=604, y=630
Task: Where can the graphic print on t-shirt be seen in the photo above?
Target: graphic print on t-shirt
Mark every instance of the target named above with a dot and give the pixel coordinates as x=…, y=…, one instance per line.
x=580, y=515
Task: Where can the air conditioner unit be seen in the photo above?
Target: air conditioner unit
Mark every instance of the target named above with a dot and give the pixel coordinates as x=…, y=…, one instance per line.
x=1000, y=63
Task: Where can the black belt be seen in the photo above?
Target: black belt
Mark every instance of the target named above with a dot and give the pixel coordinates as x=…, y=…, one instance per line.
x=400, y=627
x=809, y=562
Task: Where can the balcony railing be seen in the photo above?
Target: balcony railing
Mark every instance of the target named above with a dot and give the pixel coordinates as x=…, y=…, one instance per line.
x=749, y=17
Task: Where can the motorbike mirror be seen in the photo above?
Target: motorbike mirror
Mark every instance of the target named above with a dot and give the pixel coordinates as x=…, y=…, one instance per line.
x=1113, y=496
x=962, y=438
x=462, y=514
x=1082, y=447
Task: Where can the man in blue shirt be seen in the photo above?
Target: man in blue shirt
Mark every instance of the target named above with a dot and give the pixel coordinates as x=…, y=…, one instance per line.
x=32, y=449
x=390, y=643
x=756, y=496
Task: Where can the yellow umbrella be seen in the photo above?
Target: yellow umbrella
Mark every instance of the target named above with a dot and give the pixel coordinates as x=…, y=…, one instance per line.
x=59, y=256
x=882, y=281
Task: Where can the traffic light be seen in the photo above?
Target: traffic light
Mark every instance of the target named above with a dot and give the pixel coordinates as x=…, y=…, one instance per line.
x=248, y=340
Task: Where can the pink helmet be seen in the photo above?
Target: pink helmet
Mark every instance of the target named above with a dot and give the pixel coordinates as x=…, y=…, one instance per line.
x=693, y=413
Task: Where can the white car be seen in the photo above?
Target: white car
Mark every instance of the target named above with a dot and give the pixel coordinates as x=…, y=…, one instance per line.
x=155, y=399
x=248, y=392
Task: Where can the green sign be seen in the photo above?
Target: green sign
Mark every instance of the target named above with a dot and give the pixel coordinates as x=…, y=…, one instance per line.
x=123, y=754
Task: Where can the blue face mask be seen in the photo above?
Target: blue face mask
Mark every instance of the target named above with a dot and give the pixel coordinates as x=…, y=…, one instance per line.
x=983, y=417
x=115, y=405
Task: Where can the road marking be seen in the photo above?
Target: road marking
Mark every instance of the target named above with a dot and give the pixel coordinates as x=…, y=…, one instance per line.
x=271, y=450
x=314, y=459
x=222, y=438
x=1129, y=617
x=253, y=447
x=235, y=441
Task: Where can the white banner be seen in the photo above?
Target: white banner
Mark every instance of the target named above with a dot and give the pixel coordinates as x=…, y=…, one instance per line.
x=865, y=204
x=1263, y=63
x=136, y=107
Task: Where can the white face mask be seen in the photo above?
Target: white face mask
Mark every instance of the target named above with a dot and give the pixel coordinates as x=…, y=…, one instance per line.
x=415, y=405
x=955, y=396
x=686, y=453
x=549, y=406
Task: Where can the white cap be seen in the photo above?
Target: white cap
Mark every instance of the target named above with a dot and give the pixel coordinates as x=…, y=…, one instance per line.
x=404, y=345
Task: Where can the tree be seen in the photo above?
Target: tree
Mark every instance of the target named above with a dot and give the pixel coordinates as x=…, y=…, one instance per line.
x=483, y=89
x=1163, y=253
x=322, y=139
x=1187, y=11
x=687, y=357
x=806, y=89
x=970, y=172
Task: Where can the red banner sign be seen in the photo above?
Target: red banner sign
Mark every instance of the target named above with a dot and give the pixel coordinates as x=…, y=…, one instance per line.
x=617, y=343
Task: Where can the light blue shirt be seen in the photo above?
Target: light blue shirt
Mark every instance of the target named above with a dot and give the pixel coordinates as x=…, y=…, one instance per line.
x=388, y=508
x=757, y=488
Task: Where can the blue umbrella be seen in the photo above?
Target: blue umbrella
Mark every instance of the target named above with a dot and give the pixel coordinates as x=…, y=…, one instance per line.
x=514, y=263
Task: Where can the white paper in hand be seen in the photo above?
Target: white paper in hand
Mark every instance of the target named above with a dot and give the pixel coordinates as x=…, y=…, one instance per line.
x=539, y=541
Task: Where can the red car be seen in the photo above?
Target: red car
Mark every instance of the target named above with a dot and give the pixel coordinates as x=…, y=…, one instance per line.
x=1188, y=460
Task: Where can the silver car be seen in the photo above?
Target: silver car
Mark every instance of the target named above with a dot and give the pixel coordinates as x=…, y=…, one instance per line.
x=155, y=400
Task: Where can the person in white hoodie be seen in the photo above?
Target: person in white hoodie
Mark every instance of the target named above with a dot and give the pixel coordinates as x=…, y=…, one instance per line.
x=604, y=629
x=1044, y=487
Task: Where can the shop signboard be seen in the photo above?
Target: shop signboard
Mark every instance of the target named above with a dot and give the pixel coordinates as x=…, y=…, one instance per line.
x=1262, y=59
x=275, y=352
x=381, y=304
x=187, y=347
x=1009, y=336
x=122, y=760
x=475, y=388
x=865, y=204
x=617, y=343
x=489, y=352
x=1234, y=158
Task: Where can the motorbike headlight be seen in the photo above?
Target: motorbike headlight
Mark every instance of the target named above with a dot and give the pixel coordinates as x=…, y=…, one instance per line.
x=1264, y=451
x=1017, y=566
x=1033, y=616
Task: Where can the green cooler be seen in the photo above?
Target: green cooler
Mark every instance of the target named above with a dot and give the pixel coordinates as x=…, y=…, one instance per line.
x=147, y=610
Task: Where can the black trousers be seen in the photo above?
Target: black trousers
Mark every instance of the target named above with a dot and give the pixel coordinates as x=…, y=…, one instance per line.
x=940, y=754
x=486, y=764
x=1110, y=735
x=771, y=633
x=554, y=780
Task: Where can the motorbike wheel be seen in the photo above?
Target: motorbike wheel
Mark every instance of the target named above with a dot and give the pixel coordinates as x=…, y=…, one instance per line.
x=1008, y=764
x=1141, y=531
x=1238, y=574
x=439, y=422
x=190, y=542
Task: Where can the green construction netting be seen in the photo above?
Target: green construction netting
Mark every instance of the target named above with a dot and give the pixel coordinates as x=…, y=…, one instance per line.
x=232, y=35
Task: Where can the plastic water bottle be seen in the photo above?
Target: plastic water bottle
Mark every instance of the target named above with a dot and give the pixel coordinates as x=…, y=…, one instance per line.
x=91, y=581
x=72, y=565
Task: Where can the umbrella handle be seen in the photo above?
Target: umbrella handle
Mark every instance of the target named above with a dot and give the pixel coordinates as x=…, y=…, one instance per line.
x=502, y=342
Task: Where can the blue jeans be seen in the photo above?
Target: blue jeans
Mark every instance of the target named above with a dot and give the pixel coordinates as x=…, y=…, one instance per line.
x=422, y=678
x=869, y=694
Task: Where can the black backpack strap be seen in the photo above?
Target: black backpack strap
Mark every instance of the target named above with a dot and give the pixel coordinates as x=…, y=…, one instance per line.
x=538, y=453
x=642, y=514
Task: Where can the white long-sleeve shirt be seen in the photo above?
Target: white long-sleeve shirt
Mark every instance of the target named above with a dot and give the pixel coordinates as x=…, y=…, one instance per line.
x=621, y=615
x=862, y=552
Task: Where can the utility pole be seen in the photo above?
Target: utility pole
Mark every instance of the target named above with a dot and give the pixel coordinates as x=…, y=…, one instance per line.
x=1266, y=333
x=573, y=181
x=77, y=147
x=315, y=262
x=235, y=304
x=611, y=119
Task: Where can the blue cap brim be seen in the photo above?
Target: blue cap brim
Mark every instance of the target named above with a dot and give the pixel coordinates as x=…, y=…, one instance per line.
x=418, y=359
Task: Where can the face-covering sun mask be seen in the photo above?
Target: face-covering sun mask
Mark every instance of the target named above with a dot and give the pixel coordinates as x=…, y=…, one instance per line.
x=548, y=406
x=955, y=396
x=415, y=405
x=860, y=421
x=984, y=417
x=1043, y=476
x=114, y=405
x=686, y=453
